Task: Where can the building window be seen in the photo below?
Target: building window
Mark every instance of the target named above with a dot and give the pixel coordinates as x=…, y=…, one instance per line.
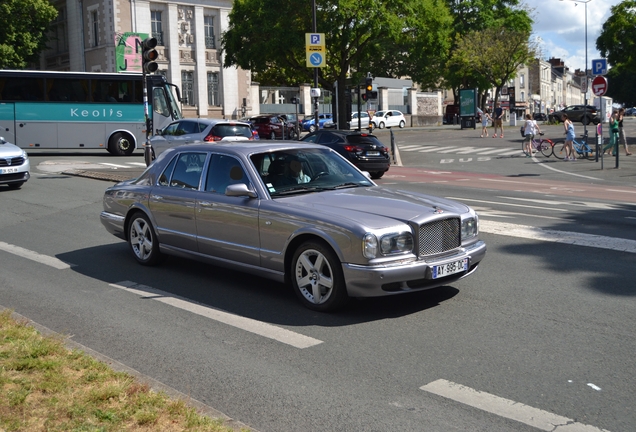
x=522, y=81
x=208, y=22
x=187, y=87
x=523, y=96
x=60, y=40
x=95, y=27
x=155, y=26
x=213, y=89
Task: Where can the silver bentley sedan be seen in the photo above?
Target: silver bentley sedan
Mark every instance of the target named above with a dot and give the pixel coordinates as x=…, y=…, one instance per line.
x=296, y=213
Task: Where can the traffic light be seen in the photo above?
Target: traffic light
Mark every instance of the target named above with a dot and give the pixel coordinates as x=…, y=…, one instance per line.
x=149, y=55
x=364, y=96
x=368, y=87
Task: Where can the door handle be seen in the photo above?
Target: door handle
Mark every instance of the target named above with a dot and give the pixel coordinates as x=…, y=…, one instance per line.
x=156, y=197
x=205, y=204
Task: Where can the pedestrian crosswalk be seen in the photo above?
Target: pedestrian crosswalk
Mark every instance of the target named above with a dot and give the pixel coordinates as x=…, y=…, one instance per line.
x=419, y=148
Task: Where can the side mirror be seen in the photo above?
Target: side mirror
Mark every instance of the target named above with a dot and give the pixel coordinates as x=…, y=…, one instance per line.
x=239, y=189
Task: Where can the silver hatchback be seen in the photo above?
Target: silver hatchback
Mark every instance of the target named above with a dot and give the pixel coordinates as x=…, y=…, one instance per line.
x=14, y=165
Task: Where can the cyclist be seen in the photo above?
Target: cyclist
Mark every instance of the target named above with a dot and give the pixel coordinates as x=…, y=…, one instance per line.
x=569, y=138
x=530, y=129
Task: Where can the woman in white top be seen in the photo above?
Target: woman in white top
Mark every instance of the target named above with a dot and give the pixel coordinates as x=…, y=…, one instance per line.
x=531, y=128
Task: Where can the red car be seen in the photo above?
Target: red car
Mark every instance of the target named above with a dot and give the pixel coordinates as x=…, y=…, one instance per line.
x=272, y=127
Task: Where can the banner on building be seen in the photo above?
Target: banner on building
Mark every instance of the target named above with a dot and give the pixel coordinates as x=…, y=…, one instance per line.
x=128, y=51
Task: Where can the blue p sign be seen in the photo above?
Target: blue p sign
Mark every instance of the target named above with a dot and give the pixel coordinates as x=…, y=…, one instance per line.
x=315, y=39
x=599, y=67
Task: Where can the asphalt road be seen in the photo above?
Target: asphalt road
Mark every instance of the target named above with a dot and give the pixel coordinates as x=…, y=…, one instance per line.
x=541, y=336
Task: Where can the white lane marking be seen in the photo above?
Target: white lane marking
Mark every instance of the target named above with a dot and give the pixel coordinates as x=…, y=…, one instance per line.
x=34, y=256
x=506, y=408
x=141, y=164
x=508, y=204
x=114, y=165
x=594, y=386
x=574, y=238
x=623, y=191
x=467, y=150
x=430, y=149
x=512, y=152
x=594, y=205
x=543, y=164
x=488, y=211
x=494, y=151
x=253, y=326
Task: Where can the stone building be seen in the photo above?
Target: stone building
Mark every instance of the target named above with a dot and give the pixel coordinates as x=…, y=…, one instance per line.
x=188, y=35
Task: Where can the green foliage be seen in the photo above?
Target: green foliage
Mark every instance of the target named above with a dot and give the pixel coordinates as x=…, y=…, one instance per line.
x=622, y=85
x=494, y=53
x=23, y=28
x=617, y=40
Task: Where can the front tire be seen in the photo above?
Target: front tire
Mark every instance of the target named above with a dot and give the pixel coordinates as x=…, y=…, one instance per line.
x=559, y=150
x=121, y=144
x=546, y=148
x=15, y=185
x=143, y=240
x=402, y=124
x=381, y=125
x=377, y=175
x=316, y=277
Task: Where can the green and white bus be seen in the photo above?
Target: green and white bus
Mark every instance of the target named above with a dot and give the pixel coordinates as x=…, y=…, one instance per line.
x=82, y=110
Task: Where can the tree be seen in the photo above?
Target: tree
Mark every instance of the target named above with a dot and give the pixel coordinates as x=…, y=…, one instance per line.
x=268, y=37
x=23, y=28
x=495, y=54
x=476, y=15
x=617, y=42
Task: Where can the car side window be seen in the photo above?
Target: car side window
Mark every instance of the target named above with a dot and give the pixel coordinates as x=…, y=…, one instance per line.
x=171, y=129
x=326, y=138
x=188, y=170
x=187, y=127
x=164, y=178
x=224, y=171
x=311, y=138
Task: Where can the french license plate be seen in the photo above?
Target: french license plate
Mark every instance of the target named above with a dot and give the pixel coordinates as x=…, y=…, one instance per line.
x=8, y=170
x=373, y=153
x=450, y=268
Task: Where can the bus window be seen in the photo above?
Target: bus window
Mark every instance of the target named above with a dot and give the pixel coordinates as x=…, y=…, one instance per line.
x=21, y=89
x=106, y=90
x=67, y=90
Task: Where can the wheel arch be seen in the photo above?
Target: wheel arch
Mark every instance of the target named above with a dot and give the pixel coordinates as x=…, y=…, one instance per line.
x=139, y=209
x=301, y=238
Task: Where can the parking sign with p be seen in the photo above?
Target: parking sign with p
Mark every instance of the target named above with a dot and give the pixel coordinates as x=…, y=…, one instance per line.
x=599, y=67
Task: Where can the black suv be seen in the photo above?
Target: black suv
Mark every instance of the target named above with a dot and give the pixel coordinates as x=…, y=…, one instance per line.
x=578, y=113
x=363, y=150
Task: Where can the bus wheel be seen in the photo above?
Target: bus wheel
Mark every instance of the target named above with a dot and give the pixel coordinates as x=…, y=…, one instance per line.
x=121, y=144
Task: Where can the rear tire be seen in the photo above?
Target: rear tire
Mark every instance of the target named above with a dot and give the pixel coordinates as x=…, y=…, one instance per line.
x=402, y=124
x=559, y=150
x=121, y=144
x=376, y=175
x=143, y=240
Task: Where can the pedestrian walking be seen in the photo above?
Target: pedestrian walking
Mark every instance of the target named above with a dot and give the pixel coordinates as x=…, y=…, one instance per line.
x=621, y=131
x=498, y=120
x=612, y=146
x=569, y=138
x=531, y=128
x=485, y=117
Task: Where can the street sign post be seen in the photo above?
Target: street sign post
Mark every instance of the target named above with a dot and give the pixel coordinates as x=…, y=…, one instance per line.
x=599, y=85
x=315, y=49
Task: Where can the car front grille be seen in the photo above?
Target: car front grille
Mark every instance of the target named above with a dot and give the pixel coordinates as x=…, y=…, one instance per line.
x=439, y=236
x=14, y=161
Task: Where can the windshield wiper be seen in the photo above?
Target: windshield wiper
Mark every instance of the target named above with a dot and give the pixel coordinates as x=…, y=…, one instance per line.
x=297, y=190
x=346, y=185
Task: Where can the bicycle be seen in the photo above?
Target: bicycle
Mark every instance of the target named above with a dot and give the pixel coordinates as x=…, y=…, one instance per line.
x=581, y=148
x=545, y=146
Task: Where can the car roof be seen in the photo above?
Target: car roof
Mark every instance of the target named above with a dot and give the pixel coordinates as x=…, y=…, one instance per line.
x=344, y=132
x=247, y=147
x=213, y=122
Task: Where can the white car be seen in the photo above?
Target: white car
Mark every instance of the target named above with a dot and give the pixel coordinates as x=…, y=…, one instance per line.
x=14, y=165
x=388, y=118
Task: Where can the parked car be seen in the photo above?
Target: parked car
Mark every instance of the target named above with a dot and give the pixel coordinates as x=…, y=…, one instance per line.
x=292, y=120
x=296, y=213
x=389, y=118
x=577, y=113
x=363, y=150
x=14, y=165
x=309, y=124
x=273, y=126
x=630, y=111
x=540, y=116
x=200, y=130
x=254, y=130
x=365, y=119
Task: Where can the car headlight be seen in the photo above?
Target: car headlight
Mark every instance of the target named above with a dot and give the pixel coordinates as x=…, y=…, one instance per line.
x=370, y=246
x=470, y=227
x=396, y=243
x=25, y=155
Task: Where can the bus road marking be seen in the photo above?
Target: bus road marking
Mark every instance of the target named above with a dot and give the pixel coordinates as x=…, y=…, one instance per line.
x=534, y=417
x=34, y=256
x=260, y=328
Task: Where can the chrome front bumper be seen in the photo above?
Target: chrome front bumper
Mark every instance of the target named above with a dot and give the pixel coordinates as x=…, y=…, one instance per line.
x=374, y=281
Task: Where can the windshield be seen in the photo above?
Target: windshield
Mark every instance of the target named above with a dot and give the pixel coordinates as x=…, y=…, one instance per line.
x=296, y=171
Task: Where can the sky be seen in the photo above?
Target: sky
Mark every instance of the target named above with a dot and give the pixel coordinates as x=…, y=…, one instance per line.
x=559, y=26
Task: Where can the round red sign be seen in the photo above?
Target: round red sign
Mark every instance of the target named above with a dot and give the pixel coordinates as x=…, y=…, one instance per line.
x=599, y=85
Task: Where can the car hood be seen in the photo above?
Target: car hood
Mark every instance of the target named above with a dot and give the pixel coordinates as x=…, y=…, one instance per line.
x=361, y=204
x=10, y=150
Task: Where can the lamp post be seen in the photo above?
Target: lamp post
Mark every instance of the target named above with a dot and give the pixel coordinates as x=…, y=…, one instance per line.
x=585, y=106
